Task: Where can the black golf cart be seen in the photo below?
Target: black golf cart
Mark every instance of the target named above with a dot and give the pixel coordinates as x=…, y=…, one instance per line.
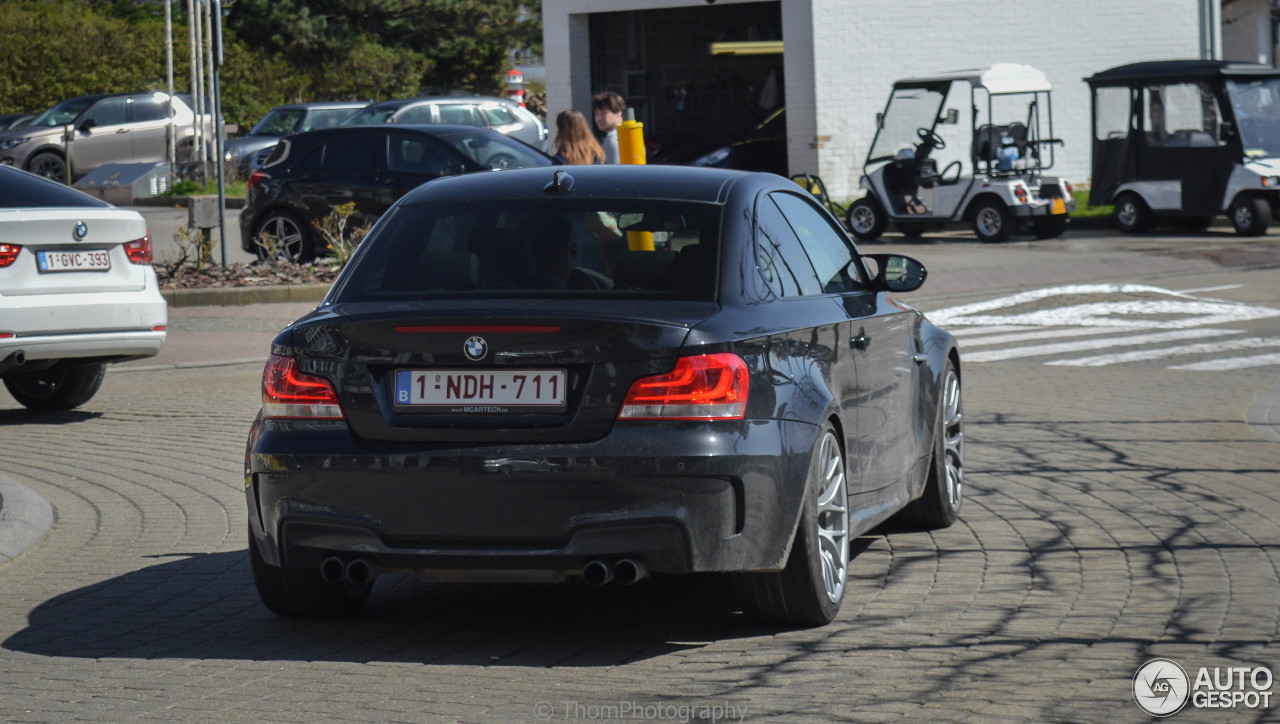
x=1187, y=139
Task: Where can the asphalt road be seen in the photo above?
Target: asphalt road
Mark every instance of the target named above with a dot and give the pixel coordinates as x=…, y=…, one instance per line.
x=1123, y=501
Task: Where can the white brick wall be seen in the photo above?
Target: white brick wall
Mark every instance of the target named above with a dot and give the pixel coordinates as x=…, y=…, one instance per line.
x=843, y=55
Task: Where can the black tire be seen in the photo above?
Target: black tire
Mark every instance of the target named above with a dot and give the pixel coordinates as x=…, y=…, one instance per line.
x=1132, y=214
x=1049, y=227
x=61, y=387
x=49, y=164
x=992, y=221
x=1250, y=216
x=912, y=230
x=810, y=589
x=866, y=219
x=280, y=234
x=301, y=591
x=943, y=495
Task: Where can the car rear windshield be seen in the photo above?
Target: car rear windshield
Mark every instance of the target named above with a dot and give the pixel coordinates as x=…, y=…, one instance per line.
x=597, y=248
x=22, y=190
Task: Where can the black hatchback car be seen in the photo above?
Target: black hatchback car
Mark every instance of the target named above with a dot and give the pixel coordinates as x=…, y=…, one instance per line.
x=308, y=174
x=696, y=370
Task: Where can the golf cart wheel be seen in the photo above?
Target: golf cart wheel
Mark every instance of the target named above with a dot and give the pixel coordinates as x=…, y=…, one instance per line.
x=992, y=221
x=866, y=219
x=1050, y=227
x=1250, y=216
x=1133, y=216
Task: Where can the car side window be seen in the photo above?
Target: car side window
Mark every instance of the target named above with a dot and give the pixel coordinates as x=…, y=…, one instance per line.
x=497, y=115
x=782, y=261
x=1181, y=115
x=418, y=155
x=352, y=154
x=458, y=113
x=828, y=249
x=417, y=114
x=108, y=112
x=315, y=120
x=147, y=109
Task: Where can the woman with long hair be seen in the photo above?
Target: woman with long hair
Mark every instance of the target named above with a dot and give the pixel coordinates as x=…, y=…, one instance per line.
x=575, y=144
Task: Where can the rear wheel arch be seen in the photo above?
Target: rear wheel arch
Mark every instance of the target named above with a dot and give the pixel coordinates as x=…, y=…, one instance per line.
x=976, y=201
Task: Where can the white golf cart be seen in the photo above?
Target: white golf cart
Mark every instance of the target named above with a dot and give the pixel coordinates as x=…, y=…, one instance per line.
x=1187, y=140
x=993, y=142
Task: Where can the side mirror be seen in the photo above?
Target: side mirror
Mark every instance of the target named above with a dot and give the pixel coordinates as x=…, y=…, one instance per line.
x=88, y=125
x=950, y=116
x=898, y=273
x=1227, y=130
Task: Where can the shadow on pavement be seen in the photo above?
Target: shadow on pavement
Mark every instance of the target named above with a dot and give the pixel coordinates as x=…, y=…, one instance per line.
x=23, y=416
x=204, y=606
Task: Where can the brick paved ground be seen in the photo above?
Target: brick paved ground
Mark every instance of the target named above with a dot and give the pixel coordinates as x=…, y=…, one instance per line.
x=1114, y=514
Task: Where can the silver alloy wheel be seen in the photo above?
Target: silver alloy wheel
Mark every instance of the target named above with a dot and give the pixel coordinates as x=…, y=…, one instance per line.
x=1127, y=213
x=281, y=238
x=990, y=221
x=833, y=518
x=1243, y=216
x=864, y=219
x=50, y=166
x=953, y=439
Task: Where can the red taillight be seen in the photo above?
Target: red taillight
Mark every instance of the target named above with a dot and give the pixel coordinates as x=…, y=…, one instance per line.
x=9, y=254
x=1021, y=193
x=139, y=251
x=255, y=178
x=1068, y=185
x=706, y=387
x=289, y=394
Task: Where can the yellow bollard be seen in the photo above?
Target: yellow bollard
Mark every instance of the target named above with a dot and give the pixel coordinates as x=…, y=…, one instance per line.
x=631, y=140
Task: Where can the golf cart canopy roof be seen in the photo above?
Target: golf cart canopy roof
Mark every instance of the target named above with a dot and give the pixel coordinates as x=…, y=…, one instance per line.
x=999, y=78
x=1167, y=69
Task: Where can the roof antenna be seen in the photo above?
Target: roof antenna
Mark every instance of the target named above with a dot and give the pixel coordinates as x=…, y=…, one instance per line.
x=560, y=183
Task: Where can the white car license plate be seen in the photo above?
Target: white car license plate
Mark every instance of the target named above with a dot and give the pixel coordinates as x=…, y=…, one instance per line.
x=57, y=261
x=482, y=391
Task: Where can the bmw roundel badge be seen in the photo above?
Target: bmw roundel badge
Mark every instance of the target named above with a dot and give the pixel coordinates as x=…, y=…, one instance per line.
x=475, y=348
x=81, y=231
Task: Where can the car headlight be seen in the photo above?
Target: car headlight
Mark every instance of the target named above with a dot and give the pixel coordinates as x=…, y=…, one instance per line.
x=712, y=158
x=1270, y=182
x=7, y=144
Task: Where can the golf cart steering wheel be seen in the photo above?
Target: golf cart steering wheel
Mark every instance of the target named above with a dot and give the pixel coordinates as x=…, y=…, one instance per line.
x=931, y=137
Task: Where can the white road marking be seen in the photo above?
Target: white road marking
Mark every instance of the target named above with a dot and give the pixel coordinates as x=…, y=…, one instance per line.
x=1149, y=354
x=1233, y=363
x=967, y=331
x=1039, y=334
x=1044, y=350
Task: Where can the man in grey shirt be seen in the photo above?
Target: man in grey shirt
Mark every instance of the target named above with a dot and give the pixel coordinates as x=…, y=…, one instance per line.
x=607, y=108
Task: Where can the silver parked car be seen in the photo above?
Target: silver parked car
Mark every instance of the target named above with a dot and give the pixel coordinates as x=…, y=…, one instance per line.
x=249, y=151
x=102, y=129
x=498, y=114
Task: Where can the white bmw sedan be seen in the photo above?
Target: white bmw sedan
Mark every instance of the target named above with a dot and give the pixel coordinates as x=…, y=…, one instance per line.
x=77, y=291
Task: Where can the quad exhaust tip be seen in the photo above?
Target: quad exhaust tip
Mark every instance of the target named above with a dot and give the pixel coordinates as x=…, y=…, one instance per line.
x=629, y=571
x=358, y=571
x=597, y=573
x=625, y=572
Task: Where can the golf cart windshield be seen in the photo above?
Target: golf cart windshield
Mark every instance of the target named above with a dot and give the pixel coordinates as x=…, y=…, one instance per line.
x=909, y=110
x=1257, y=109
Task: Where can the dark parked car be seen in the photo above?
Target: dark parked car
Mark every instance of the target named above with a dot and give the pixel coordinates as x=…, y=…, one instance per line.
x=763, y=148
x=250, y=150
x=14, y=120
x=699, y=370
x=310, y=173
x=497, y=114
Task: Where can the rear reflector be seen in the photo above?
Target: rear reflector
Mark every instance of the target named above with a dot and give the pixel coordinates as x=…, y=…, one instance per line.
x=706, y=387
x=287, y=394
x=9, y=254
x=255, y=178
x=159, y=328
x=139, y=251
x=6, y=335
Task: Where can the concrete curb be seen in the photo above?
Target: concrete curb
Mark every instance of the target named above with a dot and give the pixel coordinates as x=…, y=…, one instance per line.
x=234, y=296
x=25, y=517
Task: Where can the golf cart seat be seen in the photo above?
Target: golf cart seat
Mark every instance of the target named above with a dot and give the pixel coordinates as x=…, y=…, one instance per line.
x=988, y=140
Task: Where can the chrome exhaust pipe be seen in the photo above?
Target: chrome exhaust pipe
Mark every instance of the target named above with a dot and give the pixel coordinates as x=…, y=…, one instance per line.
x=359, y=572
x=629, y=571
x=13, y=361
x=332, y=569
x=597, y=573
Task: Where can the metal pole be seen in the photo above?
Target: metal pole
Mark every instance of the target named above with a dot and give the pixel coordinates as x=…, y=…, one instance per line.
x=206, y=85
x=168, y=59
x=192, y=19
x=218, y=130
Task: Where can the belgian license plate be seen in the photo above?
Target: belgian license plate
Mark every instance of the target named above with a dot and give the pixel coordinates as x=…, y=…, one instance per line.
x=1059, y=206
x=59, y=261
x=487, y=391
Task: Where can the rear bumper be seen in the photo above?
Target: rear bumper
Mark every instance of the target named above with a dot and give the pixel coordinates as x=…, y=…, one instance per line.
x=680, y=498
x=103, y=324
